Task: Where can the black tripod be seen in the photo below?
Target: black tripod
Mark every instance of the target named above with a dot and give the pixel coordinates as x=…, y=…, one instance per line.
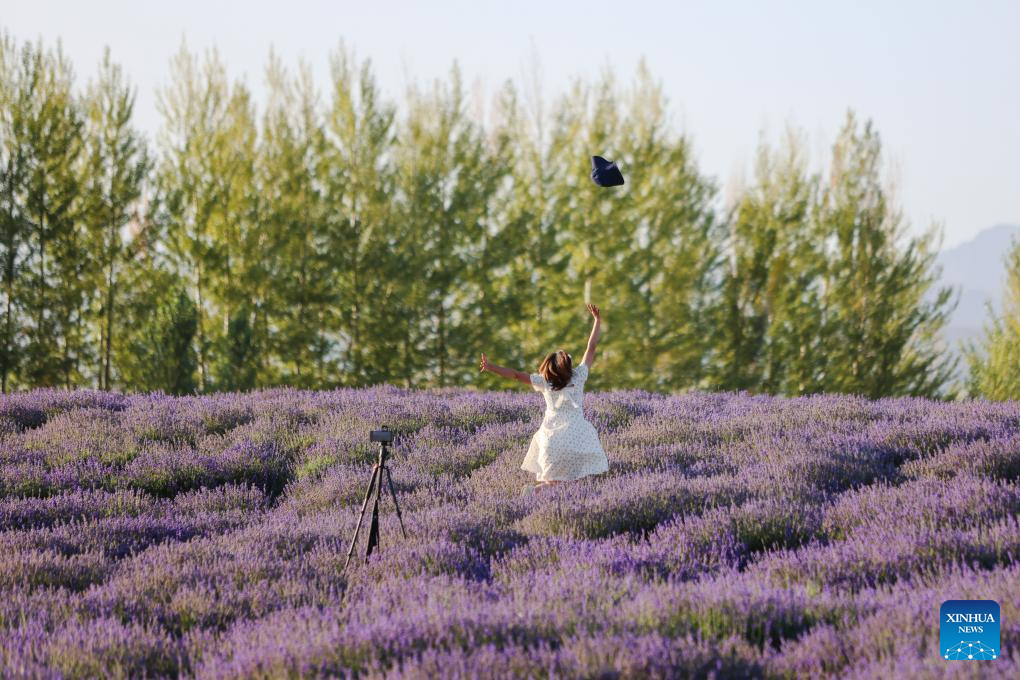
x=384, y=437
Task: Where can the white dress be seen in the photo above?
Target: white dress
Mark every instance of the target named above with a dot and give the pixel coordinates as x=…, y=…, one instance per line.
x=567, y=446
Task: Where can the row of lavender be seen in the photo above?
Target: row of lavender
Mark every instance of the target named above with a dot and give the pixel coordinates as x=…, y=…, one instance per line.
x=734, y=536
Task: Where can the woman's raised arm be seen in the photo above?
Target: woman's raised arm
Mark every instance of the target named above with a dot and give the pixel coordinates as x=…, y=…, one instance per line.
x=484, y=365
x=593, y=339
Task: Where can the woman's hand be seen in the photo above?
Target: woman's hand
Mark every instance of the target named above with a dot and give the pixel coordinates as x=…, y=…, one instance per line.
x=503, y=371
x=594, y=312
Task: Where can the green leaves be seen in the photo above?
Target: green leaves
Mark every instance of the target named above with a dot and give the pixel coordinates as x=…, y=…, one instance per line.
x=823, y=291
x=165, y=346
x=207, y=198
x=995, y=360
x=338, y=238
x=116, y=166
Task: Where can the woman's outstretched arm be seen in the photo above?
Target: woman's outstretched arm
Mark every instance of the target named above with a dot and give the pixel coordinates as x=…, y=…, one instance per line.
x=593, y=339
x=484, y=365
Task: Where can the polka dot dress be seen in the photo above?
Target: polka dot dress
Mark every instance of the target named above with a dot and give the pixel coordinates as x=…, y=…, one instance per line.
x=567, y=446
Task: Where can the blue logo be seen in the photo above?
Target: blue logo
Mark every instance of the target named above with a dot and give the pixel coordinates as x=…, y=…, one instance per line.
x=969, y=630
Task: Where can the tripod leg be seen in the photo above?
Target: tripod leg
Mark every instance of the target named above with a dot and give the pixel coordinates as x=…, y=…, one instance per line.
x=389, y=480
x=371, y=484
x=373, y=531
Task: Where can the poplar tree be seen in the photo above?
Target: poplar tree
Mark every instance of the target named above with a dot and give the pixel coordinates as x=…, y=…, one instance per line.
x=663, y=251
x=116, y=165
x=53, y=143
x=242, y=286
x=206, y=195
x=335, y=242
x=369, y=250
x=769, y=309
x=880, y=331
x=300, y=299
x=147, y=286
x=647, y=252
x=994, y=361
x=17, y=90
x=584, y=222
x=521, y=267
x=448, y=178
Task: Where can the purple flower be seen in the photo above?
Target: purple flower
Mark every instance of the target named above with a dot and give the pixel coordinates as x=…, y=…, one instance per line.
x=733, y=536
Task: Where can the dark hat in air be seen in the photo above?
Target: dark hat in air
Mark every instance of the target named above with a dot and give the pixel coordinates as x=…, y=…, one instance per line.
x=605, y=173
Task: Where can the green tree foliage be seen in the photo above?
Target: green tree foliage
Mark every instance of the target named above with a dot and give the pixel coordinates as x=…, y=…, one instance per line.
x=649, y=252
x=206, y=193
x=879, y=330
x=165, y=347
x=666, y=265
x=769, y=312
x=72, y=172
x=235, y=367
x=146, y=281
x=448, y=177
x=995, y=360
x=17, y=89
x=823, y=291
x=116, y=165
x=341, y=240
x=368, y=245
x=295, y=321
x=522, y=248
x=51, y=193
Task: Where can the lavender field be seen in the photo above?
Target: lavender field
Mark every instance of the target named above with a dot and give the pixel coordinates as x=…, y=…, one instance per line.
x=734, y=536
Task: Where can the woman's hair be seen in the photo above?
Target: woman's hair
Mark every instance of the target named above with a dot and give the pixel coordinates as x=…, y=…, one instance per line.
x=557, y=369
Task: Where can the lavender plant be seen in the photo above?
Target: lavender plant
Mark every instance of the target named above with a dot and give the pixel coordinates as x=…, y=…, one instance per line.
x=734, y=536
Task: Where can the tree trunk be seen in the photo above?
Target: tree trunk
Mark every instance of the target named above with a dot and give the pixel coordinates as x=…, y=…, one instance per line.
x=8, y=313
x=355, y=347
x=201, y=332
x=108, y=349
x=319, y=370
x=407, y=354
x=40, y=312
x=442, y=344
x=8, y=340
x=73, y=358
x=66, y=361
x=300, y=349
x=41, y=303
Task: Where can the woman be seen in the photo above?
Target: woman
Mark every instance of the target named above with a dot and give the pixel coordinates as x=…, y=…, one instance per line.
x=566, y=446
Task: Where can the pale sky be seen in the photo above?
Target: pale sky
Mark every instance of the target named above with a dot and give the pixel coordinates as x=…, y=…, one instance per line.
x=941, y=80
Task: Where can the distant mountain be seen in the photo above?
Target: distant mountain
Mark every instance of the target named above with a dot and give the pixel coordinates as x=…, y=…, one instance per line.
x=977, y=271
